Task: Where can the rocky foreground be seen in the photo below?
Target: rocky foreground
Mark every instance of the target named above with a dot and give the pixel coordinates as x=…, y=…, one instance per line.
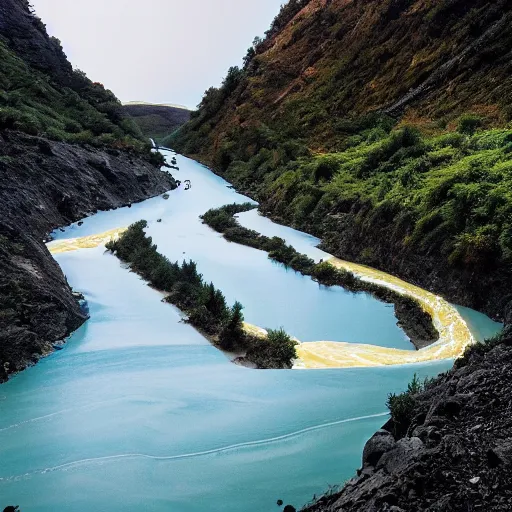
x=44, y=185
x=457, y=453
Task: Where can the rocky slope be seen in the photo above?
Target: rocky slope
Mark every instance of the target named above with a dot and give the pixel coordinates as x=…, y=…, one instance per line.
x=26, y=35
x=43, y=185
x=457, y=453
x=65, y=151
x=324, y=61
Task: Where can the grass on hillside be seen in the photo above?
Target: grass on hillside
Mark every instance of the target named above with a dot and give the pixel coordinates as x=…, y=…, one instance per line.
x=452, y=192
x=85, y=112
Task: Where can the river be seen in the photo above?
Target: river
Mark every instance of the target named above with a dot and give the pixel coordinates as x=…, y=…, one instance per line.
x=140, y=412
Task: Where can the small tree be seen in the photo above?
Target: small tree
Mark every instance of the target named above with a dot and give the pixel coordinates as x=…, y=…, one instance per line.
x=189, y=272
x=215, y=302
x=233, y=333
x=325, y=273
x=282, y=346
x=232, y=80
x=251, y=53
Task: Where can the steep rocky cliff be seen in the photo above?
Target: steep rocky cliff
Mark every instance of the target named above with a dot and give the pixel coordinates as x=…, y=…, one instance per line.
x=44, y=185
x=456, y=455
x=25, y=33
x=65, y=152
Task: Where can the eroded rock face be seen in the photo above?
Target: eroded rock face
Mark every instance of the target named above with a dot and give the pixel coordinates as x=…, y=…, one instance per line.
x=43, y=185
x=458, y=455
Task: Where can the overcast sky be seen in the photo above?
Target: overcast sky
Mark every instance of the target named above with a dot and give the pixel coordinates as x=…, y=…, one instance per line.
x=161, y=51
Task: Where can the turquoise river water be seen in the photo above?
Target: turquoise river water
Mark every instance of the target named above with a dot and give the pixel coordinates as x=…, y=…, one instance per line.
x=140, y=412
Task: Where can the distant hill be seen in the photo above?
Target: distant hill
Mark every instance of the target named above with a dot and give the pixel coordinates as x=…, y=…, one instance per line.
x=157, y=121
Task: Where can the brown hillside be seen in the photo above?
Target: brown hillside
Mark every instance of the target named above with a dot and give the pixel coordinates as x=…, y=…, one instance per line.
x=341, y=58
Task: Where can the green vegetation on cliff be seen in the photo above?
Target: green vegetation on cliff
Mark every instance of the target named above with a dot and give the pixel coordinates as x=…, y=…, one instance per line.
x=205, y=305
x=41, y=94
x=397, y=155
x=84, y=112
x=450, y=193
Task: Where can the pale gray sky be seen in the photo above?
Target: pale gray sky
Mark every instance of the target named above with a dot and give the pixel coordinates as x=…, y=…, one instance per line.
x=161, y=51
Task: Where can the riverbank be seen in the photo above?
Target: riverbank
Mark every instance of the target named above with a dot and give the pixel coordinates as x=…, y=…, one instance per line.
x=455, y=336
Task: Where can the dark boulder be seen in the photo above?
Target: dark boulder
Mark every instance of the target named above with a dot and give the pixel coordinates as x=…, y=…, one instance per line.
x=381, y=442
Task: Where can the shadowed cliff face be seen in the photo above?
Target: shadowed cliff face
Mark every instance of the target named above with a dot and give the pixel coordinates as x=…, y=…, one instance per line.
x=44, y=185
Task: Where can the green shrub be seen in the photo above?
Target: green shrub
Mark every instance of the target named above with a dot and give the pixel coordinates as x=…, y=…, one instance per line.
x=325, y=169
x=402, y=407
x=325, y=273
x=156, y=158
x=232, y=335
x=302, y=263
x=283, y=253
x=72, y=126
x=469, y=123
x=277, y=350
x=220, y=219
x=243, y=236
x=452, y=139
x=479, y=249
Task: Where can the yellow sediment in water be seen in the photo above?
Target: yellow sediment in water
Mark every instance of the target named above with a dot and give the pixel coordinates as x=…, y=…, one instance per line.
x=254, y=330
x=454, y=334
x=454, y=338
x=86, y=242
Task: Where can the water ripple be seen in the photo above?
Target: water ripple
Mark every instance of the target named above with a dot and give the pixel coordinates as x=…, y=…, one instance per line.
x=215, y=451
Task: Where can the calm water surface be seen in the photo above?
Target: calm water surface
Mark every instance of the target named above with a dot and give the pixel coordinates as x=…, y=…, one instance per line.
x=139, y=412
